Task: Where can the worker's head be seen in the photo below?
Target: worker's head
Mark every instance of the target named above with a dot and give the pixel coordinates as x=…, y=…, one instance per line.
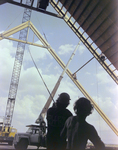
x=63, y=100
x=83, y=107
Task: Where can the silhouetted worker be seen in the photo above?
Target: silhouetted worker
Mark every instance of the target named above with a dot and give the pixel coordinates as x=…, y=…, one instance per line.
x=77, y=131
x=56, y=117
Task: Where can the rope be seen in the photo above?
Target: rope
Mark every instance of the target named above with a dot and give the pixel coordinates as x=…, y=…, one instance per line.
x=40, y=75
x=98, y=95
x=83, y=66
x=13, y=21
x=41, y=28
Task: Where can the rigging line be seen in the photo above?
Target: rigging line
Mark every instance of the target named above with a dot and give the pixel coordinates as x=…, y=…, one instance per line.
x=40, y=75
x=41, y=28
x=13, y=21
x=98, y=95
x=83, y=65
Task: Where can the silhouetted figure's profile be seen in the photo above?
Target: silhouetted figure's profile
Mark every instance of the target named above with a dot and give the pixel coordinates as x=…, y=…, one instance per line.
x=56, y=117
x=77, y=131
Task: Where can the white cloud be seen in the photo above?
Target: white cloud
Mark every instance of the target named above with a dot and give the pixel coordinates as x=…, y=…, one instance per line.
x=88, y=73
x=81, y=49
x=113, y=89
x=66, y=49
x=106, y=105
x=27, y=110
x=1, y=32
x=3, y=102
x=36, y=52
x=103, y=77
x=6, y=63
x=49, y=66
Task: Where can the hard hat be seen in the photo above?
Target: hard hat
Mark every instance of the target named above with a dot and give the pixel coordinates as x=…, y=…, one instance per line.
x=64, y=98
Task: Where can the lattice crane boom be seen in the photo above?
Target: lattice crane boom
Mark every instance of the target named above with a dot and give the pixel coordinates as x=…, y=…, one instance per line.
x=17, y=68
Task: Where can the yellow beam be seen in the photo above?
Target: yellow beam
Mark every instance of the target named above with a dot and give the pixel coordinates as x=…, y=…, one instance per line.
x=26, y=42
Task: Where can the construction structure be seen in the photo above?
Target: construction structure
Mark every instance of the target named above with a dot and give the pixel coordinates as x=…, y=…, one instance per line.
x=98, y=19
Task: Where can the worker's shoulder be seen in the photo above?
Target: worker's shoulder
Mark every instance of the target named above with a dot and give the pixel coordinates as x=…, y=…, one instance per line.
x=70, y=118
x=89, y=126
x=59, y=111
x=51, y=109
x=70, y=121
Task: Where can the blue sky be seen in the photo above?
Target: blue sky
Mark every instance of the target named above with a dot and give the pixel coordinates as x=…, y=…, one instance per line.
x=32, y=94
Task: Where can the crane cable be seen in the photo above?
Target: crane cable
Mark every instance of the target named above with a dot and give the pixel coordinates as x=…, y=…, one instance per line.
x=13, y=21
x=40, y=74
x=98, y=96
x=41, y=27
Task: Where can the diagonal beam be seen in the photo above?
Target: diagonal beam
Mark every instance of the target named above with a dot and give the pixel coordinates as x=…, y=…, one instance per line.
x=26, y=42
